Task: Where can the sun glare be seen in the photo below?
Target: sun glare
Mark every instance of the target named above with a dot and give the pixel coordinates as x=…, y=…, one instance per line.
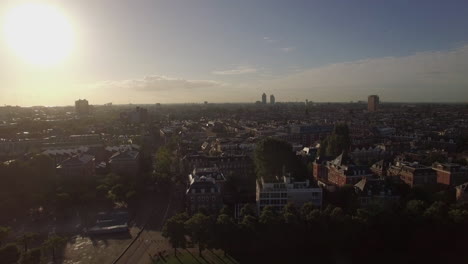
x=39, y=34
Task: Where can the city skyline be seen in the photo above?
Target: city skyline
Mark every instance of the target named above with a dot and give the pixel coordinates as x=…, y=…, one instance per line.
x=179, y=52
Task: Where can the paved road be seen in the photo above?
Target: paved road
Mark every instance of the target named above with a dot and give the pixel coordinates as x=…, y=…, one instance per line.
x=150, y=241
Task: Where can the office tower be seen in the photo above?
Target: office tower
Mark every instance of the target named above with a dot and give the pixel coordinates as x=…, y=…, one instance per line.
x=82, y=107
x=372, y=103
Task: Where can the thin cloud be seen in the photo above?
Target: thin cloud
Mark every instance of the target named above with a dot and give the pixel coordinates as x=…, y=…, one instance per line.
x=269, y=40
x=426, y=76
x=288, y=49
x=236, y=71
x=158, y=83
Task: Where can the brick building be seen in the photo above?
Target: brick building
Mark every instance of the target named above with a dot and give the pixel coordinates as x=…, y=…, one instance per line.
x=450, y=173
x=413, y=173
x=341, y=173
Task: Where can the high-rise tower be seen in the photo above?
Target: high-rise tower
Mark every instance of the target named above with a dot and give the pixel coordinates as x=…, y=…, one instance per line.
x=372, y=103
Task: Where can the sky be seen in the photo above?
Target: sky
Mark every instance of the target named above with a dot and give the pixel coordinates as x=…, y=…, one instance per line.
x=232, y=51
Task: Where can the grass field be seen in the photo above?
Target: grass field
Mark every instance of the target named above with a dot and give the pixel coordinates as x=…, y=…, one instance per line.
x=190, y=256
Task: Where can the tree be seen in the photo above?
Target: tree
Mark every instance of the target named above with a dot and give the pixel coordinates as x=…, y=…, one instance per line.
x=314, y=216
x=198, y=227
x=247, y=209
x=458, y=216
x=4, y=232
x=9, y=254
x=248, y=228
x=290, y=214
x=339, y=141
x=271, y=157
x=26, y=238
x=225, y=229
x=337, y=215
x=306, y=209
x=225, y=210
x=54, y=242
x=31, y=257
x=415, y=208
x=162, y=166
x=174, y=229
x=437, y=211
x=268, y=217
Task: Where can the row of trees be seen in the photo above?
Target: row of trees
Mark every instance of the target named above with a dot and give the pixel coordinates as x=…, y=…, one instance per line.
x=33, y=183
x=20, y=251
x=413, y=232
x=25, y=184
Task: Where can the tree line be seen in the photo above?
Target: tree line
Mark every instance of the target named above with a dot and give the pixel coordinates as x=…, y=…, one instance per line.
x=20, y=251
x=411, y=232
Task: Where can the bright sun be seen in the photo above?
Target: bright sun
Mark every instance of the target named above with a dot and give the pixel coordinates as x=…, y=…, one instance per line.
x=39, y=34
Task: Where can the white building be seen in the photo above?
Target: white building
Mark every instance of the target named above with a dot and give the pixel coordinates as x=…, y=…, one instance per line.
x=279, y=193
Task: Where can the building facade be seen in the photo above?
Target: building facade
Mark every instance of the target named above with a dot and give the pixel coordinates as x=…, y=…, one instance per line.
x=372, y=103
x=375, y=191
x=78, y=166
x=264, y=98
x=413, y=174
x=341, y=173
x=125, y=162
x=203, y=192
x=450, y=174
x=278, y=194
x=82, y=107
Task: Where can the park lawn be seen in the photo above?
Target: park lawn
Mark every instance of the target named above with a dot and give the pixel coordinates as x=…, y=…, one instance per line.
x=190, y=256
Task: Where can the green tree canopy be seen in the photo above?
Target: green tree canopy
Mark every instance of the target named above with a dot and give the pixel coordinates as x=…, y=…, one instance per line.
x=4, y=232
x=271, y=157
x=9, y=254
x=174, y=230
x=198, y=226
x=339, y=141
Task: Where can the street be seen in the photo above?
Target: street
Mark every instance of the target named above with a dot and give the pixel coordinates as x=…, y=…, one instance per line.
x=143, y=239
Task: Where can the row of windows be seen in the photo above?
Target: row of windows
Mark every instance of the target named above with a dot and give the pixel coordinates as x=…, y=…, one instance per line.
x=273, y=195
x=202, y=198
x=273, y=202
x=212, y=190
x=279, y=185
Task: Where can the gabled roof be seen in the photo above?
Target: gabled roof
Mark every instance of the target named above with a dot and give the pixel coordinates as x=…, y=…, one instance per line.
x=126, y=155
x=77, y=160
x=361, y=184
x=463, y=187
x=338, y=161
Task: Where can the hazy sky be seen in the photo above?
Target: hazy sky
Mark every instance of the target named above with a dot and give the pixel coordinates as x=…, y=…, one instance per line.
x=233, y=51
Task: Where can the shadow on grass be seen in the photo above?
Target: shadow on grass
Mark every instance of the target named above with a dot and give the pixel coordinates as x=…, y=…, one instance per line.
x=212, y=252
x=178, y=259
x=231, y=259
x=193, y=256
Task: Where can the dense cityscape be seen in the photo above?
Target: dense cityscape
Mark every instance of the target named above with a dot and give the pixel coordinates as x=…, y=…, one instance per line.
x=229, y=132
x=142, y=183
